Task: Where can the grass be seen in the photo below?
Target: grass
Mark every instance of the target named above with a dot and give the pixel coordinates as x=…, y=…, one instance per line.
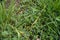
x=30, y=20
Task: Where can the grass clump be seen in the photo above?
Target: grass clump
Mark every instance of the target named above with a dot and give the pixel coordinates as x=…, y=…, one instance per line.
x=30, y=20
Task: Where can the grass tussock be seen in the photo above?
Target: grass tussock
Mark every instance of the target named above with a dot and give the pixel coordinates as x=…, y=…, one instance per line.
x=30, y=20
